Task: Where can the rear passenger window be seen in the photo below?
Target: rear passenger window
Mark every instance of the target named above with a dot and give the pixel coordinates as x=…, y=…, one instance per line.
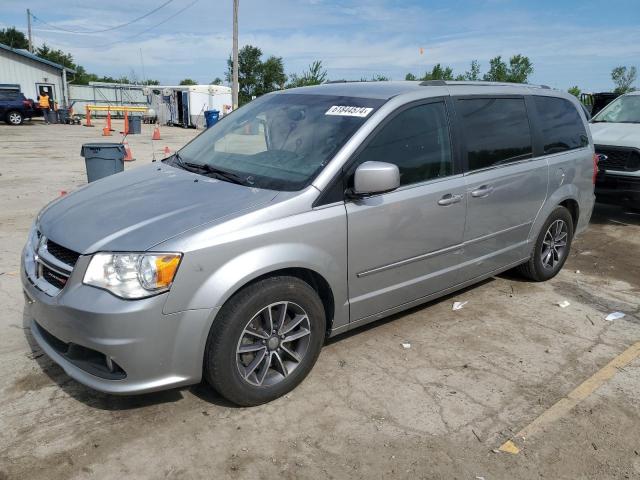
x=496, y=131
x=417, y=141
x=7, y=95
x=561, y=125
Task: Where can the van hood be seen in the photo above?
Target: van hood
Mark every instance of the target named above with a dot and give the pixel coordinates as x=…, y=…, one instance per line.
x=139, y=208
x=616, y=134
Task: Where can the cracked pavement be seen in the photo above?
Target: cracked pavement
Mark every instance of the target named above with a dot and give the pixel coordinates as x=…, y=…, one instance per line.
x=370, y=408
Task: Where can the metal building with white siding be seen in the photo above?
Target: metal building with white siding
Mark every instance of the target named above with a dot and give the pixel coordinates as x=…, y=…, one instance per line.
x=33, y=74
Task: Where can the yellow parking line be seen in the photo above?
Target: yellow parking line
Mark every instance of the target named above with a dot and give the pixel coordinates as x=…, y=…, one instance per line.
x=564, y=405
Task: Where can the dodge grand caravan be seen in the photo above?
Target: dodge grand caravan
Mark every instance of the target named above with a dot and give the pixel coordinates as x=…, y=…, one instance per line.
x=303, y=214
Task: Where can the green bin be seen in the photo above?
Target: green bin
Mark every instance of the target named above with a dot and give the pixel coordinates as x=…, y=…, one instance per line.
x=102, y=159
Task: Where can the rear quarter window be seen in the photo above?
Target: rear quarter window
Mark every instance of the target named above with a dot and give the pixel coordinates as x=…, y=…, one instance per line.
x=561, y=125
x=9, y=95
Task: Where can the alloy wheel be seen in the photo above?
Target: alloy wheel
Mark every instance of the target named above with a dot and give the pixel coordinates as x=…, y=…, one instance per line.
x=15, y=118
x=273, y=343
x=554, y=245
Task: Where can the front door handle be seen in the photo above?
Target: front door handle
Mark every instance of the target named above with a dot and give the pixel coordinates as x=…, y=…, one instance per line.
x=483, y=191
x=449, y=199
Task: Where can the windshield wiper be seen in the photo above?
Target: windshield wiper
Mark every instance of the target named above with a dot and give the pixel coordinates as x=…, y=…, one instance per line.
x=218, y=173
x=177, y=160
x=209, y=170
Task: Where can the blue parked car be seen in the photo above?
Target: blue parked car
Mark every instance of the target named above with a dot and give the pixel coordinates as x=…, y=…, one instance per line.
x=15, y=107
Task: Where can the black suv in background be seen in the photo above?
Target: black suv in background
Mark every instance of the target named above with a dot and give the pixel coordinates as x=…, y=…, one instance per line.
x=15, y=107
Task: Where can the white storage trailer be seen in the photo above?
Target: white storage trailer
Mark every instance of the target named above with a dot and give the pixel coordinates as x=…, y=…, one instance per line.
x=185, y=105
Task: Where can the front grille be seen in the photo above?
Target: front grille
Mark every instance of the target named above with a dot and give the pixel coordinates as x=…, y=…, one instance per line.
x=62, y=253
x=619, y=158
x=52, y=265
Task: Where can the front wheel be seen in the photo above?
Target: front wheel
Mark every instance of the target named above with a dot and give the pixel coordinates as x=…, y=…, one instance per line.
x=265, y=340
x=552, y=247
x=14, y=118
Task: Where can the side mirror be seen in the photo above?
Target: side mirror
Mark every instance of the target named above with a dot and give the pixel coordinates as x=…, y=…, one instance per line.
x=375, y=177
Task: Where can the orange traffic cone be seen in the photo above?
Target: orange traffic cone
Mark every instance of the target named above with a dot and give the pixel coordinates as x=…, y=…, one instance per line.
x=156, y=133
x=106, y=131
x=167, y=150
x=126, y=124
x=128, y=157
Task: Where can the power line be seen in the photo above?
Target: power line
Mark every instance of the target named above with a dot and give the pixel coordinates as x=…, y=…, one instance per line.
x=130, y=37
x=104, y=29
x=154, y=26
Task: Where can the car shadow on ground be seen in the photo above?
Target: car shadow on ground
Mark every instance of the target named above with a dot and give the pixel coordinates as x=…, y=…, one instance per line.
x=423, y=306
x=605, y=214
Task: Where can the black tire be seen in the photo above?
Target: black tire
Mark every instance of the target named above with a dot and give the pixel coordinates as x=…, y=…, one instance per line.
x=222, y=362
x=535, y=269
x=14, y=117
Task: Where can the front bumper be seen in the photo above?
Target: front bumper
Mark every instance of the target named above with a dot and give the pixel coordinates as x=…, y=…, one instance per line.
x=83, y=326
x=618, y=189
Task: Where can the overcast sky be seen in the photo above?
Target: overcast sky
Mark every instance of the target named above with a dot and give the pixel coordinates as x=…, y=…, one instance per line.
x=571, y=42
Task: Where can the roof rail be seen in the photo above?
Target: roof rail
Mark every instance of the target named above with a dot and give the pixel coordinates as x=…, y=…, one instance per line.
x=433, y=83
x=346, y=81
x=442, y=83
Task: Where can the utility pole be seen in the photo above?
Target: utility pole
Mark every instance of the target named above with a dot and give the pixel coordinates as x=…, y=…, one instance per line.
x=235, y=87
x=29, y=30
x=144, y=76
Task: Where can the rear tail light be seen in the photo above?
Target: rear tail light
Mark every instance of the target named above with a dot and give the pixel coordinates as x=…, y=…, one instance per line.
x=596, y=157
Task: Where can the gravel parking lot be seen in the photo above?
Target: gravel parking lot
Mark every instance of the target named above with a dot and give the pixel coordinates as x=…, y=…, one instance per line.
x=470, y=381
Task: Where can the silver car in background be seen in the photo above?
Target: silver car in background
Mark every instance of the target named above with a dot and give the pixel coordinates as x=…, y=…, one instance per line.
x=302, y=215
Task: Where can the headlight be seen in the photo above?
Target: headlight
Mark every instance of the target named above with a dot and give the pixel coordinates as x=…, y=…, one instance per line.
x=132, y=275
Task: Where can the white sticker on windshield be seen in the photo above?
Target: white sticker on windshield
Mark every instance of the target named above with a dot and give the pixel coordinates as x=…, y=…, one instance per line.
x=347, y=111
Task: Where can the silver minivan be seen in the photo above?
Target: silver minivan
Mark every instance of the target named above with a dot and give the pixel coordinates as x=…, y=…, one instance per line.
x=302, y=215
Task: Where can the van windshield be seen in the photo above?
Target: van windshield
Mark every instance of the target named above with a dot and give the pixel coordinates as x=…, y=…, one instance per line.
x=624, y=109
x=278, y=142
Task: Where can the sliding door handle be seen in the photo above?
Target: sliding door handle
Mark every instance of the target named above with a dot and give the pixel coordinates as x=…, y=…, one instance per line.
x=449, y=199
x=483, y=191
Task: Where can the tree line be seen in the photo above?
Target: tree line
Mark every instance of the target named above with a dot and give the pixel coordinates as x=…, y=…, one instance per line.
x=258, y=76
x=622, y=77
x=517, y=70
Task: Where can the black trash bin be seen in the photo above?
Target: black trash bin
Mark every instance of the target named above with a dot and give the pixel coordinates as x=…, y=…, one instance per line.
x=63, y=115
x=102, y=159
x=135, y=124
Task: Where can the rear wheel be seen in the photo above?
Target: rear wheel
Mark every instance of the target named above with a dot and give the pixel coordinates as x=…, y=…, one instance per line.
x=265, y=340
x=552, y=247
x=14, y=117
